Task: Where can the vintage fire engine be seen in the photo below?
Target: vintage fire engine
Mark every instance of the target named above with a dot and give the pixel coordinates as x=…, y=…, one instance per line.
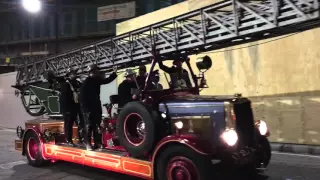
x=170, y=133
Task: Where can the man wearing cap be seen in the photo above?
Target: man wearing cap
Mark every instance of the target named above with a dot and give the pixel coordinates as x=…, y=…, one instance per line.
x=91, y=104
x=126, y=88
x=178, y=75
x=70, y=106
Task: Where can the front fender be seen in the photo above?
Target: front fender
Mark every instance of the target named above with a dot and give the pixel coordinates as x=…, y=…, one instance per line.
x=192, y=141
x=38, y=133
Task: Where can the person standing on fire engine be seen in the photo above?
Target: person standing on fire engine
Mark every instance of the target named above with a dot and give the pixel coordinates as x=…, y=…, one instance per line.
x=91, y=104
x=141, y=78
x=155, y=78
x=70, y=107
x=178, y=75
x=126, y=88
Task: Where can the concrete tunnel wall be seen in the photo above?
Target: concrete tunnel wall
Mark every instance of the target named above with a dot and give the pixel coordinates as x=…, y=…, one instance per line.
x=280, y=77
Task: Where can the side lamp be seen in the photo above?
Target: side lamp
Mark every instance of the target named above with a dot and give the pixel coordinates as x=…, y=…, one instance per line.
x=203, y=64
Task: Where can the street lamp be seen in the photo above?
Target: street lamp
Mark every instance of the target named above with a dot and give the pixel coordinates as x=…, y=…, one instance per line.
x=32, y=6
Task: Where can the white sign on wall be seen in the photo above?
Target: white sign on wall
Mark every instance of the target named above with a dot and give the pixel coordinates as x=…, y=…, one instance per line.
x=117, y=11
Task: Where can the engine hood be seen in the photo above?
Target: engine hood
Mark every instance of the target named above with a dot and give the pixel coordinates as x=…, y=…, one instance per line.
x=201, y=98
x=201, y=115
x=197, y=105
x=190, y=105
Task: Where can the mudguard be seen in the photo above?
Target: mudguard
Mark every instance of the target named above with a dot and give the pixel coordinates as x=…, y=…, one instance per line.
x=35, y=130
x=192, y=141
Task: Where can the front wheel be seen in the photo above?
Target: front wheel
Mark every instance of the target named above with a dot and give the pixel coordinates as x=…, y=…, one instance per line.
x=179, y=162
x=263, y=152
x=33, y=151
x=262, y=158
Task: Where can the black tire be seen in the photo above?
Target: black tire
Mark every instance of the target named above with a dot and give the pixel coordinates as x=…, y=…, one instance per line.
x=36, y=159
x=38, y=113
x=200, y=163
x=263, y=155
x=143, y=112
x=264, y=151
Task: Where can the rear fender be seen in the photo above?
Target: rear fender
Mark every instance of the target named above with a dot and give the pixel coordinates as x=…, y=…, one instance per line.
x=38, y=133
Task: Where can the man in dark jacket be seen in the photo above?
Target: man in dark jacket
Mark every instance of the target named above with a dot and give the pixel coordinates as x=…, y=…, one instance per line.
x=141, y=78
x=70, y=107
x=91, y=104
x=178, y=75
x=54, y=81
x=126, y=89
x=155, y=78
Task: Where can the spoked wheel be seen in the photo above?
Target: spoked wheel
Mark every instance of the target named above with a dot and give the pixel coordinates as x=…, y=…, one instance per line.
x=31, y=103
x=32, y=147
x=181, y=168
x=179, y=162
x=134, y=128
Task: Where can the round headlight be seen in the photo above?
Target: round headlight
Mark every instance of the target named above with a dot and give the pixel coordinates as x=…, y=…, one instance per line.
x=19, y=132
x=230, y=136
x=263, y=128
x=179, y=125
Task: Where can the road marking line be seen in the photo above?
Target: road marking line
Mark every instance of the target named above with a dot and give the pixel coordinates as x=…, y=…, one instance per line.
x=11, y=164
x=292, y=154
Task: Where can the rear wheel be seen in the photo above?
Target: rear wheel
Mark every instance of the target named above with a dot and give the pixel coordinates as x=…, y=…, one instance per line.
x=33, y=151
x=179, y=162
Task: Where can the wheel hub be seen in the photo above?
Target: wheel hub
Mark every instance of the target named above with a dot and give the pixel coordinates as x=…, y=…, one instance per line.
x=141, y=128
x=181, y=168
x=134, y=128
x=32, y=148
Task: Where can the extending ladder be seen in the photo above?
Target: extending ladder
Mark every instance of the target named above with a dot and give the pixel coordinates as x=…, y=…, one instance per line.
x=217, y=26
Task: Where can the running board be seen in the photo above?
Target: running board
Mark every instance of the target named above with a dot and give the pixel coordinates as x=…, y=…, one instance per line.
x=83, y=147
x=106, y=159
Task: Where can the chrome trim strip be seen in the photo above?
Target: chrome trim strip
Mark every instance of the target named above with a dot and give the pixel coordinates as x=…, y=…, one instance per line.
x=193, y=106
x=191, y=117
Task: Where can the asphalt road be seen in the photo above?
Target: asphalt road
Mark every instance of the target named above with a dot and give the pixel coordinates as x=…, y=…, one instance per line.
x=13, y=167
